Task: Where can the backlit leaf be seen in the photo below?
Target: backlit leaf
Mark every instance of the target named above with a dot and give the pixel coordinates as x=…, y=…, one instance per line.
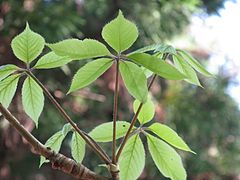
x=77, y=147
x=32, y=99
x=147, y=112
x=28, y=45
x=120, y=33
x=8, y=88
x=104, y=132
x=157, y=66
x=187, y=70
x=79, y=49
x=134, y=80
x=170, y=136
x=194, y=63
x=89, y=73
x=6, y=70
x=51, y=60
x=132, y=159
x=166, y=159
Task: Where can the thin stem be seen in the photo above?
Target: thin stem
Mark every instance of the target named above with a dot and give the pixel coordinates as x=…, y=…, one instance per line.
x=115, y=111
x=134, y=119
x=58, y=160
x=98, y=150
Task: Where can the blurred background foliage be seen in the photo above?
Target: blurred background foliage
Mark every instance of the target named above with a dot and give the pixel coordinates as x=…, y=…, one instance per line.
x=208, y=119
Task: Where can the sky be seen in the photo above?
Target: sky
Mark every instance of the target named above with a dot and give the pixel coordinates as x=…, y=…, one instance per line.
x=220, y=34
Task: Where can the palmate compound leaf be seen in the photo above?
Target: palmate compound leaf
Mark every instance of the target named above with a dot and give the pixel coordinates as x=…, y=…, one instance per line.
x=104, y=132
x=147, y=112
x=8, y=88
x=186, y=69
x=170, y=136
x=54, y=142
x=89, y=73
x=32, y=99
x=51, y=60
x=79, y=49
x=132, y=159
x=157, y=66
x=166, y=159
x=77, y=147
x=6, y=70
x=194, y=63
x=134, y=80
x=28, y=45
x=120, y=33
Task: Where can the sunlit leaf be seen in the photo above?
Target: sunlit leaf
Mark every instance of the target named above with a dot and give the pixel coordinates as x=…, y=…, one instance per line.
x=187, y=70
x=147, y=112
x=157, y=66
x=28, y=45
x=134, y=80
x=132, y=159
x=6, y=70
x=79, y=49
x=66, y=129
x=54, y=142
x=170, y=136
x=104, y=132
x=146, y=49
x=8, y=88
x=120, y=33
x=77, y=147
x=51, y=60
x=163, y=49
x=194, y=63
x=89, y=73
x=32, y=99
x=147, y=72
x=166, y=159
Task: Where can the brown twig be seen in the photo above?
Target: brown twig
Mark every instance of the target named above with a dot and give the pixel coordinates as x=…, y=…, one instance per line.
x=58, y=160
x=115, y=111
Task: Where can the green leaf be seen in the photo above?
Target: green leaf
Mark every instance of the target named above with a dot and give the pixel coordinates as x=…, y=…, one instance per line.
x=166, y=159
x=104, y=132
x=77, y=147
x=170, y=136
x=194, y=63
x=79, y=49
x=163, y=48
x=132, y=159
x=120, y=33
x=134, y=80
x=6, y=70
x=89, y=73
x=157, y=66
x=147, y=111
x=66, y=129
x=8, y=88
x=54, y=142
x=152, y=47
x=186, y=69
x=147, y=72
x=28, y=45
x=32, y=99
x=51, y=60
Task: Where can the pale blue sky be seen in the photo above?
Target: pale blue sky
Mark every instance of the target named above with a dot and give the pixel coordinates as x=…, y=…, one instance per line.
x=221, y=36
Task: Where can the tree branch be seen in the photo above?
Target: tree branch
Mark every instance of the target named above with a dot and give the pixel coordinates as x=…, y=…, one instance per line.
x=59, y=161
